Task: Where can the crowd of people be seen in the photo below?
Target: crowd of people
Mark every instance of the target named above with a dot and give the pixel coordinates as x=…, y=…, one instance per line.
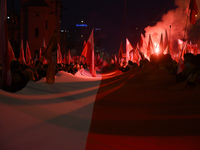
x=21, y=74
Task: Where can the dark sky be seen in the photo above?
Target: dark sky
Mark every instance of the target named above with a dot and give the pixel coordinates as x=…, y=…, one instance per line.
x=113, y=17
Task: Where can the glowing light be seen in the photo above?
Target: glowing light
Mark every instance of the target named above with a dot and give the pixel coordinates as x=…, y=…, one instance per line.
x=157, y=49
x=81, y=21
x=8, y=17
x=195, y=15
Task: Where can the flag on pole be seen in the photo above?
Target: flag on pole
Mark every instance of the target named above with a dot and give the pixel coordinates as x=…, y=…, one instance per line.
x=11, y=53
x=21, y=57
x=150, y=47
x=68, y=57
x=84, y=43
x=28, y=54
x=5, y=63
x=121, y=51
x=52, y=46
x=143, y=42
x=88, y=53
x=169, y=49
x=129, y=47
x=64, y=59
x=59, y=55
x=166, y=40
x=194, y=11
x=48, y=53
x=161, y=49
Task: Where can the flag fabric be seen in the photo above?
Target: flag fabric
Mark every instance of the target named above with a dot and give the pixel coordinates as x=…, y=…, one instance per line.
x=64, y=59
x=180, y=44
x=194, y=11
x=11, y=53
x=59, y=55
x=28, y=54
x=137, y=54
x=84, y=43
x=22, y=57
x=68, y=57
x=181, y=66
x=140, y=54
x=48, y=54
x=143, y=47
x=187, y=11
x=143, y=43
x=150, y=47
x=88, y=53
x=129, y=47
x=166, y=40
x=161, y=47
x=51, y=47
x=5, y=63
x=115, y=57
x=169, y=49
x=121, y=51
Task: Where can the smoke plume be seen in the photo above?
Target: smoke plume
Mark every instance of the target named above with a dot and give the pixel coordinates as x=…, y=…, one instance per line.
x=178, y=26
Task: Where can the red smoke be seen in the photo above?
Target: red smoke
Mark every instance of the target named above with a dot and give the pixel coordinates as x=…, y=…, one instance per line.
x=176, y=19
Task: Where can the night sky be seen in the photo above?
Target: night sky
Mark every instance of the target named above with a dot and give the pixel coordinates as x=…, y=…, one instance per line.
x=113, y=17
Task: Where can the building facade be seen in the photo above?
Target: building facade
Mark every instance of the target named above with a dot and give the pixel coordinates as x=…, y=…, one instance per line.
x=39, y=19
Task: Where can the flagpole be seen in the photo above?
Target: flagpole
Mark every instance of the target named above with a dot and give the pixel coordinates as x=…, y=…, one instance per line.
x=184, y=36
x=183, y=41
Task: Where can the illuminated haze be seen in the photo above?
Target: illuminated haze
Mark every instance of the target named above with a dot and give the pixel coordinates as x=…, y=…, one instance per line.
x=177, y=19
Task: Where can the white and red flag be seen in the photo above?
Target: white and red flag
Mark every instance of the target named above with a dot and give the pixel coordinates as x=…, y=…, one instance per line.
x=28, y=54
x=129, y=48
x=88, y=53
x=161, y=47
x=120, y=54
x=11, y=53
x=21, y=56
x=150, y=47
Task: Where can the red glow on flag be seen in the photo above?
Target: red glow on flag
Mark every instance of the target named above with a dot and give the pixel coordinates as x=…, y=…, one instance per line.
x=157, y=49
x=194, y=11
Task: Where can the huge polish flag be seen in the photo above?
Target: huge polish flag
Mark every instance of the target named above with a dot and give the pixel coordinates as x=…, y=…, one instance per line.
x=140, y=109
